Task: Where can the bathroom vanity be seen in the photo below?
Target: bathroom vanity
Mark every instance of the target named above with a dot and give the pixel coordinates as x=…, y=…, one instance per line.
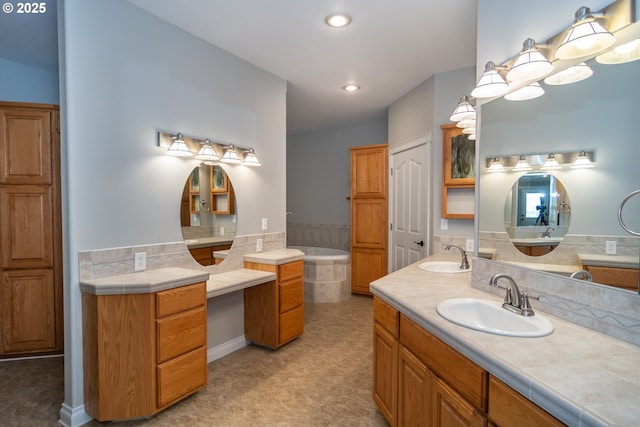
x=429, y=371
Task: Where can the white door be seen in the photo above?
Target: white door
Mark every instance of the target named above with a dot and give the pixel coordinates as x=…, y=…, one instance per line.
x=409, y=239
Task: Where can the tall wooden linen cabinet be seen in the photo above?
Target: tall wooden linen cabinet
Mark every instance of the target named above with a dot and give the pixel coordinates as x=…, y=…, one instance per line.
x=369, y=215
x=30, y=230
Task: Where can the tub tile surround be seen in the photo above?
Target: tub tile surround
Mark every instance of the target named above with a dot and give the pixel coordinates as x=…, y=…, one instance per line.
x=582, y=376
x=327, y=281
x=107, y=262
x=335, y=236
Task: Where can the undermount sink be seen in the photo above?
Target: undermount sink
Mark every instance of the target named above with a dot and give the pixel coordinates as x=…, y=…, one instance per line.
x=489, y=316
x=443, y=267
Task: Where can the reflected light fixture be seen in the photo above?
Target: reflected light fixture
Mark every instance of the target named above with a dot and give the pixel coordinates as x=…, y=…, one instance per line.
x=351, y=88
x=530, y=91
x=585, y=37
x=522, y=165
x=207, y=152
x=582, y=162
x=230, y=155
x=464, y=110
x=472, y=137
x=495, y=166
x=573, y=74
x=469, y=131
x=551, y=163
x=250, y=158
x=621, y=54
x=530, y=64
x=338, y=20
x=178, y=147
x=490, y=84
x=467, y=123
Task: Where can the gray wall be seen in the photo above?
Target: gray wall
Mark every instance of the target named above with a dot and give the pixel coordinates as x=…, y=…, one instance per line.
x=318, y=170
x=125, y=75
x=24, y=83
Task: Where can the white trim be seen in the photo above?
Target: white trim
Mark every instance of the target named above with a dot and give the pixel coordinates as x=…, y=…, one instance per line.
x=228, y=347
x=73, y=417
x=424, y=138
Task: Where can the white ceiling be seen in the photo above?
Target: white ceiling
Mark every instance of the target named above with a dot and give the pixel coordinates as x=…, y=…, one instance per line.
x=390, y=47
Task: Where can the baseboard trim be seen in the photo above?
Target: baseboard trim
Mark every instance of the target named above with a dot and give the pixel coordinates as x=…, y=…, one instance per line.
x=226, y=348
x=73, y=417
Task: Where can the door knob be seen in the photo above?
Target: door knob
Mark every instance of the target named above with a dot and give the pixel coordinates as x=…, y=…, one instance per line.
x=421, y=243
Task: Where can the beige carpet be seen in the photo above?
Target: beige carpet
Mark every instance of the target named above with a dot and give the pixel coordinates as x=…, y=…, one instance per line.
x=323, y=378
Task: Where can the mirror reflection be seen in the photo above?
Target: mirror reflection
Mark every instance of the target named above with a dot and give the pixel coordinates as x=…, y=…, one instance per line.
x=537, y=213
x=208, y=214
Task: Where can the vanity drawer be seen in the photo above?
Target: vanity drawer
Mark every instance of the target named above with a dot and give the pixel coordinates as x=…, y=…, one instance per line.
x=182, y=376
x=290, y=294
x=463, y=375
x=181, y=333
x=291, y=325
x=290, y=270
x=180, y=299
x=386, y=316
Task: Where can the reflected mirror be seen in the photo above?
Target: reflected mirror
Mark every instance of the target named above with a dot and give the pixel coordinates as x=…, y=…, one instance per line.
x=536, y=213
x=208, y=214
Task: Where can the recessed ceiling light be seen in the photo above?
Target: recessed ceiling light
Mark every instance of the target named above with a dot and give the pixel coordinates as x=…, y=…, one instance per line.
x=338, y=20
x=351, y=88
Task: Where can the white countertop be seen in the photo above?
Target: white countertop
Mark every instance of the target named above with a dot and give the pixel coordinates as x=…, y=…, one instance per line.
x=205, y=242
x=275, y=257
x=144, y=282
x=235, y=280
x=582, y=377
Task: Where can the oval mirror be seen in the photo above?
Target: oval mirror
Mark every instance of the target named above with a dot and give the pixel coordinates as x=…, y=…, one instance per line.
x=208, y=214
x=537, y=213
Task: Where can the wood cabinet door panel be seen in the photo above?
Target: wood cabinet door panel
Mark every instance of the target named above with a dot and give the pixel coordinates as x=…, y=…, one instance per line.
x=291, y=324
x=181, y=333
x=182, y=376
x=386, y=316
x=291, y=294
x=26, y=226
x=367, y=265
x=25, y=141
x=181, y=299
x=290, y=270
x=451, y=410
x=415, y=386
x=369, y=171
x=385, y=373
x=28, y=311
x=369, y=223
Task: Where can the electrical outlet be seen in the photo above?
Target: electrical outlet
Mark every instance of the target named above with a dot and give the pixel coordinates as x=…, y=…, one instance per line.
x=470, y=245
x=222, y=231
x=444, y=224
x=140, y=261
x=610, y=247
x=264, y=224
x=259, y=245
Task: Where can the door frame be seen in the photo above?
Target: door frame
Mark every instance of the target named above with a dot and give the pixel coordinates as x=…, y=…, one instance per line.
x=423, y=139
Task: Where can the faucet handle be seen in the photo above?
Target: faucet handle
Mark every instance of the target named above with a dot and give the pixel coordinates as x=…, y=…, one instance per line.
x=526, y=306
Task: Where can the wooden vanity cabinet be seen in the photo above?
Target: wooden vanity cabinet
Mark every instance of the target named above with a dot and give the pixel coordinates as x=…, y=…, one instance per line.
x=143, y=352
x=421, y=381
x=274, y=311
x=625, y=278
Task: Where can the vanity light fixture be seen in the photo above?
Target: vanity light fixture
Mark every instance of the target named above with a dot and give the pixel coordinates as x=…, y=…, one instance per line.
x=207, y=152
x=495, y=166
x=585, y=37
x=551, y=163
x=530, y=64
x=230, y=155
x=621, y=54
x=338, y=20
x=573, y=74
x=464, y=110
x=530, y=91
x=582, y=161
x=178, y=147
x=522, y=165
x=250, y=158
x=491, y=83
x=468, y=123
x=469, y=131
x=471, y=137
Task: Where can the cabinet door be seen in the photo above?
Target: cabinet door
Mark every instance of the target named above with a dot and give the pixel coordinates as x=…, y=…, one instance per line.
x=26, y=226
x=369, y=171
x=451, y=410
x=385, y=373
x=28, y=311
x=415, y=384
x=367, y=265
x=25, y=144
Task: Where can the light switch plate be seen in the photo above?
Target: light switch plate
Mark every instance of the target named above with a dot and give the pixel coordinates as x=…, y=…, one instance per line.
x=259, y=245
x=444, y=224
x=610, y=247
x=140, y=261
x=470, y=245
x=264, y=224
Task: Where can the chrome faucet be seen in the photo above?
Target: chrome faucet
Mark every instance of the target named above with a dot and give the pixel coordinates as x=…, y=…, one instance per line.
x=582, y=274
x=464, y=262
x=513, y=300
x=547, y=233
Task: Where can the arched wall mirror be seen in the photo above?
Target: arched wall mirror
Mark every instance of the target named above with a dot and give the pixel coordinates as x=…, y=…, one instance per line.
x=536, y=213
x=598, y=114
x=208, y=214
